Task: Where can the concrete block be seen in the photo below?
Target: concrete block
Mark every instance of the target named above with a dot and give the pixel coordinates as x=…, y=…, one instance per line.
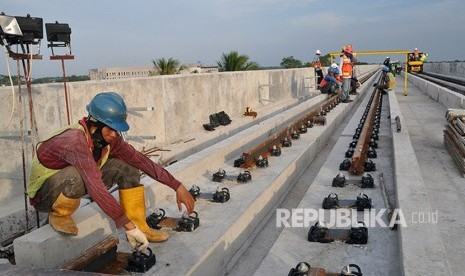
x=421, y=249
x=46, y=248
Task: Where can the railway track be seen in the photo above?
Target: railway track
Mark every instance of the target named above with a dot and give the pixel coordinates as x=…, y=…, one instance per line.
x=454, y=84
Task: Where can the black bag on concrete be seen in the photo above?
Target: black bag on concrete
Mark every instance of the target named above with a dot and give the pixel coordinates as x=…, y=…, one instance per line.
x=214, y=120
x=208, y=127
x=223, y=118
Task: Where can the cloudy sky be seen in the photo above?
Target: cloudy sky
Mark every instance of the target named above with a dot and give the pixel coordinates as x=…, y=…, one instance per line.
x=132, y=33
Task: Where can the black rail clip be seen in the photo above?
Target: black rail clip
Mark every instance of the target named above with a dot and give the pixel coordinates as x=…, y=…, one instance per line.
x=244, y=177
x=155, y=218
x=219, y=175
x=141, y=262
x=351, y=270
x=301, y=269
x=221, y=195
x=345, y=165
x=287, y=143
x=188, y=223
x=339, y=180
x=275, y=151
x=363, y=202
x=370, y=166
x=194, y=191
x=240, y=161
x=295, y=135
x=372, y=153
x=262, y=162
x=331, y=202
x=358, y=235
x=367, y=181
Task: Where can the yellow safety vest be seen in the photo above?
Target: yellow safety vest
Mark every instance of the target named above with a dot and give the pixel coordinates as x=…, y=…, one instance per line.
x=392, y=81
x=40, y=173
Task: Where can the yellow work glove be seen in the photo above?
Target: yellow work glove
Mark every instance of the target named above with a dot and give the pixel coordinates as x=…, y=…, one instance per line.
x=135, y=237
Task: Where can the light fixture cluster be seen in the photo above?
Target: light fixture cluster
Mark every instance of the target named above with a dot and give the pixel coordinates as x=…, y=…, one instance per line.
x=28, y=30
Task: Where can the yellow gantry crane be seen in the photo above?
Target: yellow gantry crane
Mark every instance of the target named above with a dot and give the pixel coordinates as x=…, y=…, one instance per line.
x=381, y=52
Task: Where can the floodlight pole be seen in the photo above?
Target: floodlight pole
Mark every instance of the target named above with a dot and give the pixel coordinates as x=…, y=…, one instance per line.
x=63, y=58
x=23, y=57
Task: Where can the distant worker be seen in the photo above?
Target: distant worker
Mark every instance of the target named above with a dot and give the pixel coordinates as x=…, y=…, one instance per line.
x=392, y=68
x=90, y=157
x=387, y=62
x=346, y=66
x=388, y=80
x=416, y=54
x=331, y=83
x=423, y=57
x=317, y=66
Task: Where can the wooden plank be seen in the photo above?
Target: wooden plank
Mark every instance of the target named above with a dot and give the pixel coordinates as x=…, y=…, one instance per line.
x=93, y=254
x=460, y=125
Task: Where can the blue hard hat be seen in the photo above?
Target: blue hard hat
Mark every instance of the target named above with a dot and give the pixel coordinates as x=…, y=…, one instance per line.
x=386, y=69
x=333, y=70
x=109, y=108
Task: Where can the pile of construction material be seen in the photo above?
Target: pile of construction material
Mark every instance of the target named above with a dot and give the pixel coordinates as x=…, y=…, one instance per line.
x=454, y=136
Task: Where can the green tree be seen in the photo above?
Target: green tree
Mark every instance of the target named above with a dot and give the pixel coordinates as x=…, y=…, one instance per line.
x=290, y=62
x=235, y=62
x=164, y=66
x=325, y=60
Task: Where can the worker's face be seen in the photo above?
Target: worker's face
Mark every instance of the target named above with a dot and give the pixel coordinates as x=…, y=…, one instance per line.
x=109, y=134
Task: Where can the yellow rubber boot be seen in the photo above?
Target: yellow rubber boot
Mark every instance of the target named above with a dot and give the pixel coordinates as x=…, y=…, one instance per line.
x=60, y=216
x=133, y=203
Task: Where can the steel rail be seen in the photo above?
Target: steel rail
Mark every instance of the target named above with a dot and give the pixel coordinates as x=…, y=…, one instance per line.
x=315, y=116
x=360, y=152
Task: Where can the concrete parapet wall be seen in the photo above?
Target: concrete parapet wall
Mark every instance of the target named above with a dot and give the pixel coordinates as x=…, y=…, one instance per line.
x=456, y=69
x=448, y=98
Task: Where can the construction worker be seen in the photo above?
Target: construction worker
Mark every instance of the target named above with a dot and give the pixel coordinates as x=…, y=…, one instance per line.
x=388, y=79
x=423, y=57
x=90, y=157
x=416, y=54
x=387, y=62
x=331, y=82
x=317, y=66
x=346, y=70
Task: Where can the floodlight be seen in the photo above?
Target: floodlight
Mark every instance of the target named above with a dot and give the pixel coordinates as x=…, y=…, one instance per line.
x=9, y=26
x=32, y=29
x=58, y=32
x=58, y=35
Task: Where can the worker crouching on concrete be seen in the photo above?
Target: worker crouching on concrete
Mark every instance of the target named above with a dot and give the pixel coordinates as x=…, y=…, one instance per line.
x=89, y=157
x=388, y=79
x=330, y=84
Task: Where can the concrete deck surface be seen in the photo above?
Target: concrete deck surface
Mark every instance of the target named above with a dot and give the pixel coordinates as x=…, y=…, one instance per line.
x=275, y=250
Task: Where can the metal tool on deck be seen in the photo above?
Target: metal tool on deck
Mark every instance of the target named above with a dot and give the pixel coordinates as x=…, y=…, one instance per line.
x=366, y=181
x=361, y=203
x=304, y=269
x=221, y=195
x=186, y=223
x=355, y=235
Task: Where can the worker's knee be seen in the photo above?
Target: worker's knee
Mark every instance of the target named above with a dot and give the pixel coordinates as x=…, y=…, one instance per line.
x=121, y=173
x=73, y=186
